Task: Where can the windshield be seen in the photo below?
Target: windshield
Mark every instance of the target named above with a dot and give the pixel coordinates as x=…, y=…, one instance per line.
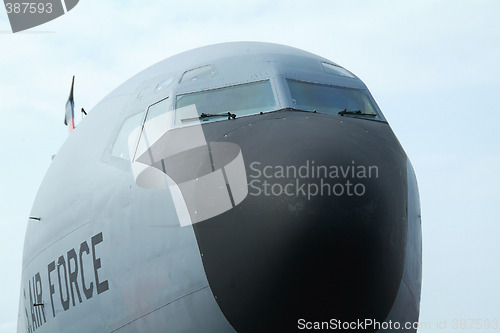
x=331, y=99
x=240, y=100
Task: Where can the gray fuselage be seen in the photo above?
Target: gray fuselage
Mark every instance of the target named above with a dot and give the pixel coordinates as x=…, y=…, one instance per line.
x=296, y=207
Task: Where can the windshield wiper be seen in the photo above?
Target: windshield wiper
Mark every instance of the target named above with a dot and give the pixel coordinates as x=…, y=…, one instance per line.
x=357, y=112
x=301, y=110
x=229, y=116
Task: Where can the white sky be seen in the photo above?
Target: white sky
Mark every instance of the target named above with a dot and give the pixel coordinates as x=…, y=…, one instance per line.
x=432, y=66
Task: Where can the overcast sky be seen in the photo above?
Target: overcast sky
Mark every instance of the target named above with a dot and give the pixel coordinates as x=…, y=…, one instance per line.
x=432, y=66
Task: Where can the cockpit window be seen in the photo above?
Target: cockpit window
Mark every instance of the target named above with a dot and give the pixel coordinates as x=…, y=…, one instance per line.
x=240, y=100
x=336, y=70
x=194, y=74
x=332, y=99
x=157, y=109
x=151, y=129
x=164, y=84
x=120, y=147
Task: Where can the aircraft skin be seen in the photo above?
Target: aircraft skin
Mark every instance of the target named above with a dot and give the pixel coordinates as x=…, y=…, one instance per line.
x=106, y=253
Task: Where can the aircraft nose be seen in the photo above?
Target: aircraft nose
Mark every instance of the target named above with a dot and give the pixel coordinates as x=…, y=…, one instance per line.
x=304, y=244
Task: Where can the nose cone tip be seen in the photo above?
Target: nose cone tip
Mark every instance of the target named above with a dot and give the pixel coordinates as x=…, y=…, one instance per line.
x=276, y=258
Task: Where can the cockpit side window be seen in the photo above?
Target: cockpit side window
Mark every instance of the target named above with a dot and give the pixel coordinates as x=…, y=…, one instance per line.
x=120, y=147
x=332, y=99
x=240, y=100
x=156, y=109
x=157, y=122
x=133, y=126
